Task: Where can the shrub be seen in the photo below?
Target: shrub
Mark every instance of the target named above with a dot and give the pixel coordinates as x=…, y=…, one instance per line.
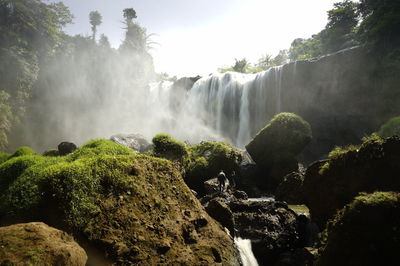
x=390, y=128
x=23, y=151
x=365, y=232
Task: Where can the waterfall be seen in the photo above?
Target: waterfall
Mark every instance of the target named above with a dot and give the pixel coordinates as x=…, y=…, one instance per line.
x=246, y=253
x=230, y=107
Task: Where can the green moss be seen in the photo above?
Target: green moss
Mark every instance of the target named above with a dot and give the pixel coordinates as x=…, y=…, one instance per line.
x=23, y=151
x=51, y=152
x=390, y=128
x=207, y=159
x=4, y=157
x=365, y=232
x=99, y=146
x=339, y=151
x=283, y=137
x=167, y=147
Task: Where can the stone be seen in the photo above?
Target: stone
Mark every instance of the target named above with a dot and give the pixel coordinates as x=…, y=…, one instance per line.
x=38, y=244
x=135, y=142
x=218, y=210
x=65, y=148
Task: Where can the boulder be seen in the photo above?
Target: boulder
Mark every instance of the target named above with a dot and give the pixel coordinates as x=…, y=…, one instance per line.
x=211, y=186
x=365, y=232
x=270, y=225
x=65, y=148
x=218, y=210
x=135, y=142
x=38, y=244
x=275, y=146
x=291, y=188
x=331, y=184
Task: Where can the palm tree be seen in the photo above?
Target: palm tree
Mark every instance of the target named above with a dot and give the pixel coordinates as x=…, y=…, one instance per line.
x=95, y=20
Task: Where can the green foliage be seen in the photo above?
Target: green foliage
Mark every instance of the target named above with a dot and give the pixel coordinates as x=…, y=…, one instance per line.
x=365, y=232
x=390, y=128
x=167, y=147
x=23, y=151
x=129, y=14
x=51, y=152
x=95, y=20
x=301, y=49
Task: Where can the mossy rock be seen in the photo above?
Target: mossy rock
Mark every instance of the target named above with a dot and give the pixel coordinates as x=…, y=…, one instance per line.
x=133, y=207
x=51, y=152
x=275, y=147
x=365, y=232
x=390, y=128
x=285, y=136
x=4, y=157
x=207, y=159
x=167, y=147
x=331, y=184
x=21, y=151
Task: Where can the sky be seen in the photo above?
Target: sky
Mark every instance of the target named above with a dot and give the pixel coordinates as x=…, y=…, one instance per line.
x=196, y=37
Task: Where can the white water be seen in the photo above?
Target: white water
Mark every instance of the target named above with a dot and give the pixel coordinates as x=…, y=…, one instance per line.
x=228, y=107
x=246, y=253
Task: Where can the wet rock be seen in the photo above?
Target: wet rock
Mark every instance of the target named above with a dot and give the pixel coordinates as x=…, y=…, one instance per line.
x=290, y=189
x=217, y=209
x=271, y=226
x=136, y=142
x=38, y=244
x=211, y=186
x=65, y=148
x=240, y=195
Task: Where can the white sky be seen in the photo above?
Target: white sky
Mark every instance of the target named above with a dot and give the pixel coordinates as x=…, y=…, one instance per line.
x=199, y=36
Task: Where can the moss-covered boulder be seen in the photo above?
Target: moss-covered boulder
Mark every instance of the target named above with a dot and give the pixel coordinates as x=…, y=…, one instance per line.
x=167, y=147
x=331, y=184
x=390, y=128
x=4, y=157
x=135, y=208
x=207, y=159
x=51, y=152
x=38, y=244
x=23, y=151
x=365, y=232
x=275, y=146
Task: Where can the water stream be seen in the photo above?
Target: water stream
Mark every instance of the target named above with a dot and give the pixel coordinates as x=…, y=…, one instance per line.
x=246, y=253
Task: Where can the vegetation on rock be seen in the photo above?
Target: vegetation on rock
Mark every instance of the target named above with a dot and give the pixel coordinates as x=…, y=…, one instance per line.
x=135, y=207
x=390, y=128
x=170, y=148
x=330, y=185
x=275, y=146
x=365, y=232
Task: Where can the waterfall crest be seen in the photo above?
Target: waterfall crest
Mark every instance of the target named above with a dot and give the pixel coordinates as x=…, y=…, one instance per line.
x=246, y=253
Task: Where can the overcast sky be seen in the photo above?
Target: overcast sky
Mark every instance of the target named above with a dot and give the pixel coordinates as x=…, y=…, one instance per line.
x=199, y=36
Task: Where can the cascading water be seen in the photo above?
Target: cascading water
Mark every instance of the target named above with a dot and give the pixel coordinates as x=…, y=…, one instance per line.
x=230, y=106
x=246, y=253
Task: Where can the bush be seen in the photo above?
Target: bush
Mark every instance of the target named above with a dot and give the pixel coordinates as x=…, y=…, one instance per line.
x=23, y=151
x=390, y=128
x=365, y=232
x=167, y=147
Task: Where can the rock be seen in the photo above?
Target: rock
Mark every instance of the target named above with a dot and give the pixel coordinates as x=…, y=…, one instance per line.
x=211, y=186
x=365, y=232
x=331, y=184
x=240, y=195
x=218, y=210
x=135, y=142
x=271, y=226
x=290, y=189
x=38, y=244
x=275, y=146
x=65, y=148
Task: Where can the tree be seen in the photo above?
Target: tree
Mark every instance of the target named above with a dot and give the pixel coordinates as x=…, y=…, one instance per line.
x=281, y=58
x=265, y=62
x=104, y=42
x=95, y=20
x=129, y=15
x=240, y=65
